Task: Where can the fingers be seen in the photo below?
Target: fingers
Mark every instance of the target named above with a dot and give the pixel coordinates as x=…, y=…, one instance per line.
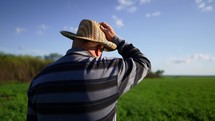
x=102, y=28
x=105, y=25
x=108, y=30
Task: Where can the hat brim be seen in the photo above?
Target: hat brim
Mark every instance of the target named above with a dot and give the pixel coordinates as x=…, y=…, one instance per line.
x=109, y=46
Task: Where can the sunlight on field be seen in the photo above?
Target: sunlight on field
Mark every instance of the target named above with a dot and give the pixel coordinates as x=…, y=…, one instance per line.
x=165, y=99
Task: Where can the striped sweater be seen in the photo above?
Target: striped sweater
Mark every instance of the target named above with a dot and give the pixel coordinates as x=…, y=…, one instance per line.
x=79, y=87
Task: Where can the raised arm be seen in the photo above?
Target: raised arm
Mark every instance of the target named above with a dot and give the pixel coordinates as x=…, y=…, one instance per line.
x=133, y=67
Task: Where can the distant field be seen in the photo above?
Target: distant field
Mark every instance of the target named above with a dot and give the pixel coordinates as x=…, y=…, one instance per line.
x=166, y=99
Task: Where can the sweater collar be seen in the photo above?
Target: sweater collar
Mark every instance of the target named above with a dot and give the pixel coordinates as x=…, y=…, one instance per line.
x=78, y=51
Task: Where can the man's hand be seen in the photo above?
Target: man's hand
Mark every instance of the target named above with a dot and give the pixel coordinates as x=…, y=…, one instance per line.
x=108, y=30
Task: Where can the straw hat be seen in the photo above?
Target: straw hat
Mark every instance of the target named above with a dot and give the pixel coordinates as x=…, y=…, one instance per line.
x=90, y=30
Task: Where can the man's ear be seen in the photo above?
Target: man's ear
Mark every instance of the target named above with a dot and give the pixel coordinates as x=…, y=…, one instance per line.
x=97, y=51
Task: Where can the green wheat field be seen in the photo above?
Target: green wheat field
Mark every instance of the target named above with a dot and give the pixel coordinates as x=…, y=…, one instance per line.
x=164, y=99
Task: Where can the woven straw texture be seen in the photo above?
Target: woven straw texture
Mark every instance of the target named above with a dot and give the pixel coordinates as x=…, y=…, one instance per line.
x=90, y=30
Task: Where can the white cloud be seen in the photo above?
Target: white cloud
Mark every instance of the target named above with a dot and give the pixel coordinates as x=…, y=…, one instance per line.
x=204, y=5
x=43, y=26
x=41, y=29
x=130, y=5
x=19, y=30
x=193, y=58
x=210, y=1
x=72, y=29
x=39, y=32
x=124, y=4
x=132, y=9
x=198, y=1
x=144, y=1
x=118, y=21
x=154, y=14
x=157, y=13
x=148, y=15
x=208, y=8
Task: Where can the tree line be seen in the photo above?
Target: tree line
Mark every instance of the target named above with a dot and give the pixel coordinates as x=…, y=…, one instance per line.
x=22, y=68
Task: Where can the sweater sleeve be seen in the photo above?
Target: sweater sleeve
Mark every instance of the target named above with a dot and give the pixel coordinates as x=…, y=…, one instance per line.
x=133, y=66
x=31, y=113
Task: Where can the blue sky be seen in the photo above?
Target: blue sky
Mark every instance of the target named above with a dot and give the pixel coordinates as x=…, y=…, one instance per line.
x=178, y=36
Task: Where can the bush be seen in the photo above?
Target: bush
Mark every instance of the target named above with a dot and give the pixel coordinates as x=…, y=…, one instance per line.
x=20, y=68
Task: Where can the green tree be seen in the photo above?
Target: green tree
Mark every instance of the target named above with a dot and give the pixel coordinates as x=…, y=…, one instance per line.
x=159, y=73
x=52, y=56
